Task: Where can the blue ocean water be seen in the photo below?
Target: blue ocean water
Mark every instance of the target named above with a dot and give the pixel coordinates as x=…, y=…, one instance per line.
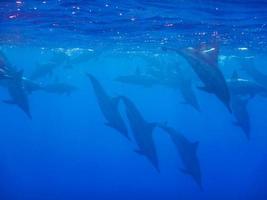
x=64, y=150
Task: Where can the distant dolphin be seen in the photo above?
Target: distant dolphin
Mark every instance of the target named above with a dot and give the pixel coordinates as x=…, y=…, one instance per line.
x=204, y=61
x=59, y=88
x=138, y=79
x=18, y=93
x=31, y=86
x=142, y=132
x=240, y=112
x=43, y=70
x=188, y=153
x=186, y=89
x=244, y=87
x=254, y=73
x=175, y=78
x=109, y=107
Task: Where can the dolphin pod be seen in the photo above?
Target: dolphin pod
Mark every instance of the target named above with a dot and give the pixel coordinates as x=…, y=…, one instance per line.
x=234, y=93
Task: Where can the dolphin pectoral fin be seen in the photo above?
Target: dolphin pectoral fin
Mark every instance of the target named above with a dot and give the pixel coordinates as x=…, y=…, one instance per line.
x=205, y=89
x=10, y=102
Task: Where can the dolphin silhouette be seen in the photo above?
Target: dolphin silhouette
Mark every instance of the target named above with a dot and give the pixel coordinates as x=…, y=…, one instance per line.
x=240, y=112
x=142, y=132
x=18, y=93
x=188, y=153
x=109, y=107
x=244, y=87
x=204, y=62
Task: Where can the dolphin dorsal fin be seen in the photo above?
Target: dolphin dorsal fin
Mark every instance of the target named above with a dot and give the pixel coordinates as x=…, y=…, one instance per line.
x=210, y=53
x=234, y=75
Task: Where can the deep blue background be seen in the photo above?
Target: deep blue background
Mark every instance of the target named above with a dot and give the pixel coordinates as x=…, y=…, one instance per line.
x=66, y=151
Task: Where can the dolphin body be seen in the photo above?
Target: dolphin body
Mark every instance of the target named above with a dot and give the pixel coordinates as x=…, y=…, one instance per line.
x=188, y=153
x=18, y=93
x=142, y=132
x=204, y=62
x=184, y=85
x=15, y=86
x=138, y=79
x=255, y=74
x=240, y=112
x=43, y=70
x=244, y=87
x=32, y=86
x=175, y=78
x=60, y=88
x=109, y=107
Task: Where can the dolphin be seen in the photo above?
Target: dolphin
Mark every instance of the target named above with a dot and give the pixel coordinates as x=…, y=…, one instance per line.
x=244, y=87
x=109, y=107
x=240, y=112
x=138, y=79
x=43, y=70
x=204, y=62
x=60, y=88
x=255, y=74
x=32, y=86
x=142, y=132
x=186, y=89
x=18, y=93
x=188, y=153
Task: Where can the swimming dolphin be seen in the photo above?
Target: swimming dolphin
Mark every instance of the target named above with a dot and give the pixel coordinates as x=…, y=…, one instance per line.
x=244, y=87
x=188, y=153
x=254, y=73
x=43, y=70
x=240, y=112
x=186, y=89
x=142, y=132
x=138, y=79
x=59, y=88
x=204, y=62
x=32, y=86
x=109, y=107
x=18, y=93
